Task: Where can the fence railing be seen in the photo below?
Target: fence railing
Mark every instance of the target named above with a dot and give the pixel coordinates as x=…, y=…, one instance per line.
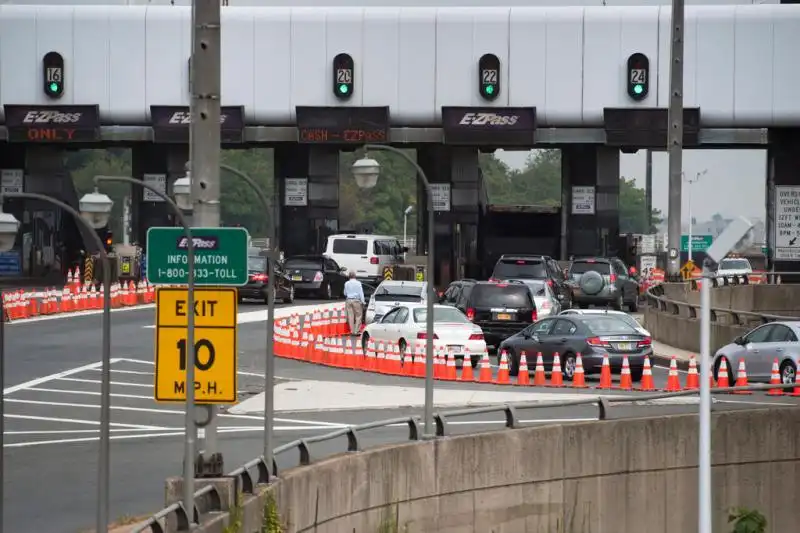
x=655, y=298
x=256, y=472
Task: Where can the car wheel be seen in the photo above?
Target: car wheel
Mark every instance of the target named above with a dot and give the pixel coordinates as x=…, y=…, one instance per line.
x=401, y=345
x=290, y=297
x=633, y=307
x=717, y=364
x=513, y=362
x=788, y=372
x=618, y=303
x=365, y=343
x=568, y=365
x=328, y=293
x=636, y=374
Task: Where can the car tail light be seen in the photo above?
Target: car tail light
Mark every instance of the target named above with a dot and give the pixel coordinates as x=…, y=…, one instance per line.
x=259, y=277
x=597, y=342
x=476, y=337
x=502, y=284
x=647, y=341
x=373, y=260
x=470, y=314
x=493, y=280
x=612, y=278
x=550, y=283
x=422, y=336
x=534, y=316
x=318, y=276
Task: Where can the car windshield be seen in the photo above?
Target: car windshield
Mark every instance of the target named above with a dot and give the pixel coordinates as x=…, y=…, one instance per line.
x=501, y=295
x=582, y=267
x=520, y=269
x=399, y=293
x=306, y=264
x=257, y=264
x=440, y=314
x=608, y=325
x=350, y=246
x=734, y=264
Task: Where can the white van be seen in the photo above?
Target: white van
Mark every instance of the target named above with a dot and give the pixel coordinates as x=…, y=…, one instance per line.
x=366, y=255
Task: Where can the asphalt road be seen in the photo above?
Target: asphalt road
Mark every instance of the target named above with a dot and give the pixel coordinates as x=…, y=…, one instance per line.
x=52, y=411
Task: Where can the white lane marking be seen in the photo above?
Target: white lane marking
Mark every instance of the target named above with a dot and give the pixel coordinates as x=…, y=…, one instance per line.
x=137, y=372
x=155, y=435
x=78, y=314
x=51, y=377
x=74, y=431
x=140, y=361
x=165, y=411
x=85, y=422
x=89, y=393
x=114, y=383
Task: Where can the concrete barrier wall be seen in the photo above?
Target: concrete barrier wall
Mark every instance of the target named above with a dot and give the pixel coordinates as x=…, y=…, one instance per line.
x=621, y=476
x=682, y=332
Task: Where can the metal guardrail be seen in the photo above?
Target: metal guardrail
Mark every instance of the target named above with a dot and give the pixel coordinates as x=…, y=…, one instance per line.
x=256, y=472
x=655, y=298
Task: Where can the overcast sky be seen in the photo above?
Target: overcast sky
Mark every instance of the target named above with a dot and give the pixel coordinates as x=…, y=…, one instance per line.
x=734, y=184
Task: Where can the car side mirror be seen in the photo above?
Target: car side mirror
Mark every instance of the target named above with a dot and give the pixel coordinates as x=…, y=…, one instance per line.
x=738, y=340
x=343, y=270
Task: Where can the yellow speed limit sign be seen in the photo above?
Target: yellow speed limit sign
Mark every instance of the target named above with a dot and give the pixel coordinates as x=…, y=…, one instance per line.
x=214, y=342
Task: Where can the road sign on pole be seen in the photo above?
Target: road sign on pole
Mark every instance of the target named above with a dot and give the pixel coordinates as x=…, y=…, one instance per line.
x=700, y=243
x=214, y=340
x=220, y=256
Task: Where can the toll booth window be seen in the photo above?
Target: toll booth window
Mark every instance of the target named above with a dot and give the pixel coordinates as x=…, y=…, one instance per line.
x=350, y=246
x=519, y=269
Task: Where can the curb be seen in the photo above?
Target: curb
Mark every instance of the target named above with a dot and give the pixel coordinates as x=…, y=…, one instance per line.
x=663, y=360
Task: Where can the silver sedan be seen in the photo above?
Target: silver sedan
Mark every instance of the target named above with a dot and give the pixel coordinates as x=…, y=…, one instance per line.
x=759, y=348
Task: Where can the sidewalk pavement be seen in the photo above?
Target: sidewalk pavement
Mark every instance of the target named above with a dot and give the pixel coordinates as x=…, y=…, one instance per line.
x=663, y=354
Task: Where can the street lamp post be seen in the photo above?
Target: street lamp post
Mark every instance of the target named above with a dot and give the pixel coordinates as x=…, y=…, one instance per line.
x=366, y=172
x=182, y=189
x=190, y=429
x=405, y=227
x=691, y=183
x=95, y=212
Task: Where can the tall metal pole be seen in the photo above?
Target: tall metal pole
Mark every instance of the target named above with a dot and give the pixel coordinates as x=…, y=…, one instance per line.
x=2, y=404
x=689, y=243
x=189, y=422
x=429, y=431
x=648, y=190
x=704, y=453
x=104, y=456
x=269, y=366
x=204, y=137
x=675, y=139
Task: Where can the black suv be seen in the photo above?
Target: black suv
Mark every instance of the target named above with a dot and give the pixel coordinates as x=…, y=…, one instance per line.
x=501, y=309
x=534, y=267
x=603, y=281
x=457, y=294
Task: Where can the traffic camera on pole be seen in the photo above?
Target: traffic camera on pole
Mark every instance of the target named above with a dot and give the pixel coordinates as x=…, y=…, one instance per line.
x=53, y=74
x=489, y=76
x=343, y=76
x=638, y=76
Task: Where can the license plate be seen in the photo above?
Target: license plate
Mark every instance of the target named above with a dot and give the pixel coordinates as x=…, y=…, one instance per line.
x=503, y=316
x=297, y=278
x=455, y=349
x=625, y=346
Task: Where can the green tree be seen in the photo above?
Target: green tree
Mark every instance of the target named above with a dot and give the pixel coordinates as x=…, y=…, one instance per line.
x=747, y=521
x=633, y=208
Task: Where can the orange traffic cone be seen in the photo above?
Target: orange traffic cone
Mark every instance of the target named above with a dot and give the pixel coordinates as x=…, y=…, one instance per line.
x=523, y=377
x=556, y=377
x=692, y=379
x=371, y=363
x=796, y=391
x=775, y=379
x=502, y=370
x=722, y=375
x=579, y=376
x=485, y=373
x=438, y=364
x=625, y=382
x=741, y=379
x=466, y=369
x=539, y=379
x=605, y=374
x=419, y=360
x=451, y=373
x=673, y=380
x=647, y=376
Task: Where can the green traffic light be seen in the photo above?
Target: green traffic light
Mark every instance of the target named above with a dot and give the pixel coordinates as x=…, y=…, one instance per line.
x=489, y=89
x=638, y=89
x=344, y=89
x=53, y=87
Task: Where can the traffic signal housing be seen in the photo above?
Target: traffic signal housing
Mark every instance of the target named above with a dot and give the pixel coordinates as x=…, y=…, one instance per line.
x=53, y=74
x=343, y=76
x=638, y=75
x=489, y=76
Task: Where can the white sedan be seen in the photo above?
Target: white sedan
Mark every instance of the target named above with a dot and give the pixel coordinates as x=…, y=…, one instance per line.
x=405, y=325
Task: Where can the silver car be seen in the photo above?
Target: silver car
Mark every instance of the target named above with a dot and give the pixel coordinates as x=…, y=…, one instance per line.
x=391, y=293
x=547, y=304
x=759, y=348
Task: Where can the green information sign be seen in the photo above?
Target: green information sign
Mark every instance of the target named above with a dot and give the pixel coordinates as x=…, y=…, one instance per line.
x=220, y=256
x=700, y=243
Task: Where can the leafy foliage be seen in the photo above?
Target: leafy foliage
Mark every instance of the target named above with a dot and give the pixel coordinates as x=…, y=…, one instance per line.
x=747, y=520
x=380, y=209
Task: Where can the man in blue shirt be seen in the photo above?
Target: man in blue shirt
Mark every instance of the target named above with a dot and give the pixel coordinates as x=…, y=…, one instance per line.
x=354, y=304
